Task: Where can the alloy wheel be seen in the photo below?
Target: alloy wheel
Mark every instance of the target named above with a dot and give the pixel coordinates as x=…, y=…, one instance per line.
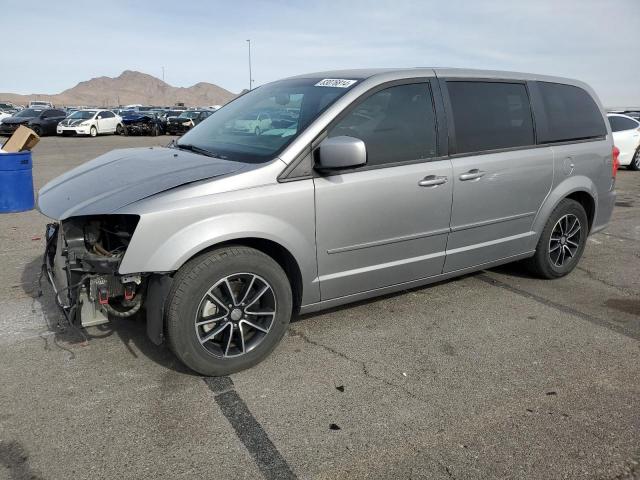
x=565, y=240
x=235, y=315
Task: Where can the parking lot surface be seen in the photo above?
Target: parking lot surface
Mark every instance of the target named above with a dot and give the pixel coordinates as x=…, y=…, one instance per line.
x=492, y=375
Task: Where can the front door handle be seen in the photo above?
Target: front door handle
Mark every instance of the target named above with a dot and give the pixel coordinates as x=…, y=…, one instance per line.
x=472, y=175
x=432, y=181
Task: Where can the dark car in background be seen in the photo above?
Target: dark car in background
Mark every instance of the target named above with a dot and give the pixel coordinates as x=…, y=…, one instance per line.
x=186, y=121
x=164, y=114
x=41, y=121
x=137, y=122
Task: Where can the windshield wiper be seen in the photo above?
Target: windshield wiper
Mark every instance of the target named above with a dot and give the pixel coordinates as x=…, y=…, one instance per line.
x=193, y=148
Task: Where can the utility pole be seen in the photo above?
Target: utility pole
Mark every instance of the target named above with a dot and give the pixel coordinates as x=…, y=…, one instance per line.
x=250, y=77
x=163, y=74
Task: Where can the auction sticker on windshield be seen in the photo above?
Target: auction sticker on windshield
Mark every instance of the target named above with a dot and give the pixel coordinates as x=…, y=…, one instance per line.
x=335, y=82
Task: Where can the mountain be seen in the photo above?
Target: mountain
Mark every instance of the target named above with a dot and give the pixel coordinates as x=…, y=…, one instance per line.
x=129, y=88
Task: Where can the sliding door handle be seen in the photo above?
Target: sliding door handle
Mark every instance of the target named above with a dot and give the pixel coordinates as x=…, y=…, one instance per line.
x=472, y=175
x=432, y=181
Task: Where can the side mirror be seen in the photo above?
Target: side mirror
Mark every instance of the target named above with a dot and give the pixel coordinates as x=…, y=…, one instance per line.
x=341, y=152
x=99, y=117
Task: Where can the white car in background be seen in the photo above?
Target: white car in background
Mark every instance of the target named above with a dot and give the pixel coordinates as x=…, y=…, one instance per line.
x=253, y=122
x=4, y=115
x=626, y=136
x=90, y=122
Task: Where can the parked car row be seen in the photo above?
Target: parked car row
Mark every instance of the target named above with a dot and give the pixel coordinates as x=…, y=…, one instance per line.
x=96, y=121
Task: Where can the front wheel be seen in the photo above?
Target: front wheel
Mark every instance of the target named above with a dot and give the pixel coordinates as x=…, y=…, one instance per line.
x=562, y=241
x=635, y=162
x=227, y=310
x=93, y=131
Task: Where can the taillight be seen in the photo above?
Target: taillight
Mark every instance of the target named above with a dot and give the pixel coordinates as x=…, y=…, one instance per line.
x=615, y=153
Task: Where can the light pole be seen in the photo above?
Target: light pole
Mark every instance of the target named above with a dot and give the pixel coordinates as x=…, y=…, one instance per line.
x=250, y=78
x=163, y=74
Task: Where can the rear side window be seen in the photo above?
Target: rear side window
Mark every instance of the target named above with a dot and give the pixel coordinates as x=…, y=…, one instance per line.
x=106, y=114
x=397, y=124
x=619, y=124
x=490, y=115
x=571, y=114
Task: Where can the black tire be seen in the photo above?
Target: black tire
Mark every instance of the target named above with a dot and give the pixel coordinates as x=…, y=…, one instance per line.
x=191, y=284
x=257, y=131
x=154, y=131
x=635, y=161
x=119, y=129
x=125, y=132
x=93, y=132
x=543, y=263
x=37, y=130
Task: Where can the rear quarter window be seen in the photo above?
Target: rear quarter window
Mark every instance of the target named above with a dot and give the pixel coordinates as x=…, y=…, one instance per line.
x=490, y=115
x=570, y=113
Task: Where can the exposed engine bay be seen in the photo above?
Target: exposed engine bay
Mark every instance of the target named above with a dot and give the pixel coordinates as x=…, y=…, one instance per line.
x=81, y=260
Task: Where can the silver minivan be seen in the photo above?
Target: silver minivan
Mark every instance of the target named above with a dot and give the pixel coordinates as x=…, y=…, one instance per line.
x=354, y=184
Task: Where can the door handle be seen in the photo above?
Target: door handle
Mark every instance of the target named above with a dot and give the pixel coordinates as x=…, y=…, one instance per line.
x=472, y=175
x=432, y=181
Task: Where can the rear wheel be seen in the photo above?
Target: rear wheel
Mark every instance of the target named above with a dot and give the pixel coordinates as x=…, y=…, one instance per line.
x=562, y=241
x=37, y=130
x=227, y=310
x=635, y=162
x=119, y=129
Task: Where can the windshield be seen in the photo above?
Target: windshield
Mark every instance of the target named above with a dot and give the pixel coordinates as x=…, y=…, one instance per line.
x=258, y=125
x=82, y=115
x=189, y=114
x=28, y=112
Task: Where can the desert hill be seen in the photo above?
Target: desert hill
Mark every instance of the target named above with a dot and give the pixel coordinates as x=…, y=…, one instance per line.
x=129, y=88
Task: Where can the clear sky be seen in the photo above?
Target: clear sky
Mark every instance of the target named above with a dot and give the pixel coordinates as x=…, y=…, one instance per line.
x=49, y=46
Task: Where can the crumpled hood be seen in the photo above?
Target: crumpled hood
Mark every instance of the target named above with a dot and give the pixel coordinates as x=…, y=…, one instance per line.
x=121, y=177
x=138, y=118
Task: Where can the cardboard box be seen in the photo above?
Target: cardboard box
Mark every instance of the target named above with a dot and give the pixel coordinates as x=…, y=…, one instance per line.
x=22, y=139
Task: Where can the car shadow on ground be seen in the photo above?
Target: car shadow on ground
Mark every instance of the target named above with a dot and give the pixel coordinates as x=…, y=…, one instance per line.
x=130, y=331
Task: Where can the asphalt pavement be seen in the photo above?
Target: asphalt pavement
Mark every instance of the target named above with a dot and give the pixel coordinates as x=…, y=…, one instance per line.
x=492, y=375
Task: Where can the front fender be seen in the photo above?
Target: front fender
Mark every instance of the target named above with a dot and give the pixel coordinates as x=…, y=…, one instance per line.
x=281, y=213
x=578, y=183
x=186, y=243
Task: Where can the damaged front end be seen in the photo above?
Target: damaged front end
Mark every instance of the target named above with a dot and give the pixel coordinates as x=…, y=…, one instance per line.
x=141, y=124
x=82, y=258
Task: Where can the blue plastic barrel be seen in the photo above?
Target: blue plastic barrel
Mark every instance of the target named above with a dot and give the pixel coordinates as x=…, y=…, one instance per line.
x=16, y=182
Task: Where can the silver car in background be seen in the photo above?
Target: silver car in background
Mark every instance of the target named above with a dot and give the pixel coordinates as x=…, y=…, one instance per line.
x=362, y=183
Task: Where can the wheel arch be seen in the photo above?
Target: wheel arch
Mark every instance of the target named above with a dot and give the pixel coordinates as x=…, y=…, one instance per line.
x=578, y=188
x=585, y=199
x=280, y=254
